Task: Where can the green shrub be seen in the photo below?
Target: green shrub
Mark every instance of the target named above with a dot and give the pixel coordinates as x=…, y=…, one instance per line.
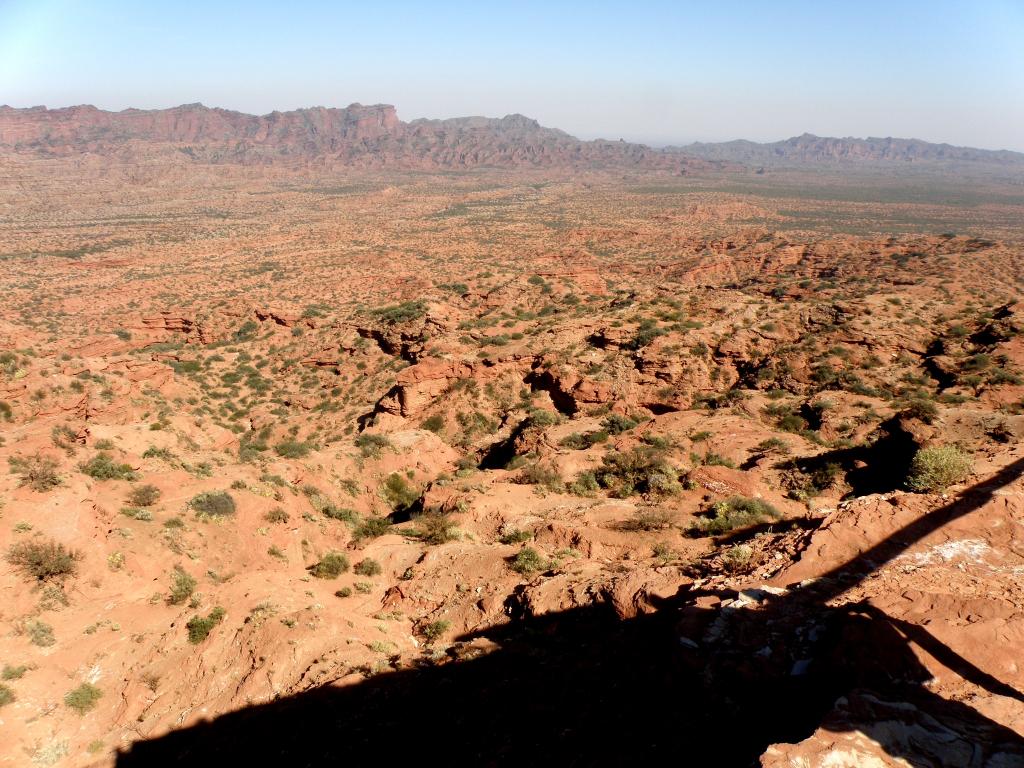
x=182, y=586
x=6, y=695
x=103, y=467
x=38, y=471
x=372, y=527
x=43, y=560
x=514, y=536
x=541, y=474
x=937, y=467
x=435, y=529
x=213, y=503
x=276, y=515
x=527, y=561
x=399, y=494
x=585, y=484
x=401, y=313
x=331, y=566
x=367, y=567
x=648, y=520
x=292, y=449
x=922, y=409
x=639, y=470
x=199, y=627
x=83, y=698
x=13, y=673
x=371, y=445
x=39, y=633
x=616, y=424
x=137, y=513
x=144, y=496
x=578, y=442
x=433, y=423
x=335, y=512
x=736, y=512
x=435, y=629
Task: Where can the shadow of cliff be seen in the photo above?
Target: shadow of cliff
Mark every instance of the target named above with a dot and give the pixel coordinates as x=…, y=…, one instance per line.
x=688, y=682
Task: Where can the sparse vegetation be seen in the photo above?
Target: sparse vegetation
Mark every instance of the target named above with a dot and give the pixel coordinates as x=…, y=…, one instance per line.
x=935, y=468
x=38, y=471
x=144, y=495
x=330, y=566
x=43, y=560
x=83, y=699
x=200, y=627
x=182, y=586
x=213, y=504
x=102, y=466
x=736, y=512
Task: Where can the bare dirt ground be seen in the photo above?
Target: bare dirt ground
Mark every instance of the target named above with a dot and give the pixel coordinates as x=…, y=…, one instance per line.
x=525, y=467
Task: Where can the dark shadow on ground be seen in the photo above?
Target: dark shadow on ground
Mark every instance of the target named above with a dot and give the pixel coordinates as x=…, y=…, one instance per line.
x=688, y=684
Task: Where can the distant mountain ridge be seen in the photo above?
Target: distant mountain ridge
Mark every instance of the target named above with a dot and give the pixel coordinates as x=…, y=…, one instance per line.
x=374, y=137
x=357, y=135
x=809, y=148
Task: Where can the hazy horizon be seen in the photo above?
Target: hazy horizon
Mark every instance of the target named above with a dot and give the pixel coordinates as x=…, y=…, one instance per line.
x=657, y=73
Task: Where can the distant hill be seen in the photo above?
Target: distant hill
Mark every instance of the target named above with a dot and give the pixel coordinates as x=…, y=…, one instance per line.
x=810, y=149
x=357, y=136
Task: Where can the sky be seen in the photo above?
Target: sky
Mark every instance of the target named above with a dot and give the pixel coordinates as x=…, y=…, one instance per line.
x=656, y=72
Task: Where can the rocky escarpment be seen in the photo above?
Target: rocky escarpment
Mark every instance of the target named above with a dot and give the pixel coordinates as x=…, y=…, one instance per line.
x=360, y=136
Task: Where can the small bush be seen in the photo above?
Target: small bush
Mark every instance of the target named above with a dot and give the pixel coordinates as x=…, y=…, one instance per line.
x=367, y=567
x=6, y=695
x=292, y=449
x=372, y=445
x=639, y=470
x=937, y=467
x=399, y=494
x=543, y=475
x=103, y=467
x=401, y=313
x=737, y=558
x=528, y=561
x=616, y=424
x=648, y=520
x=144, y=496
x=43, y=560
x=372, y=527
x=331, y=566
x=435, y=529
x=433, y=423
x=137, y=513
x=276, y=515
x=83, y=698
x=737, y=512
x=39, y=633
x=13, y=673
x=335, y=512
x=199, y=627
x=435, y=629
x=514, y=536
x=585, y=484
x=213, y=503
x=38, y=472
x=182, y=586
x=919, y=408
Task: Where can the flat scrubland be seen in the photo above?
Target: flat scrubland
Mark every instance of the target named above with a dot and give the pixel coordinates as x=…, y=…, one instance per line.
x=265, y=430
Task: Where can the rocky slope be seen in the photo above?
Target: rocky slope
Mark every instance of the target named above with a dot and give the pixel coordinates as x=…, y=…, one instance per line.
x=521, y=470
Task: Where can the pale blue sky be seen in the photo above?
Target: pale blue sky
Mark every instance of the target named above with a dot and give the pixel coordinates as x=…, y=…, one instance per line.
x=647, y=71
